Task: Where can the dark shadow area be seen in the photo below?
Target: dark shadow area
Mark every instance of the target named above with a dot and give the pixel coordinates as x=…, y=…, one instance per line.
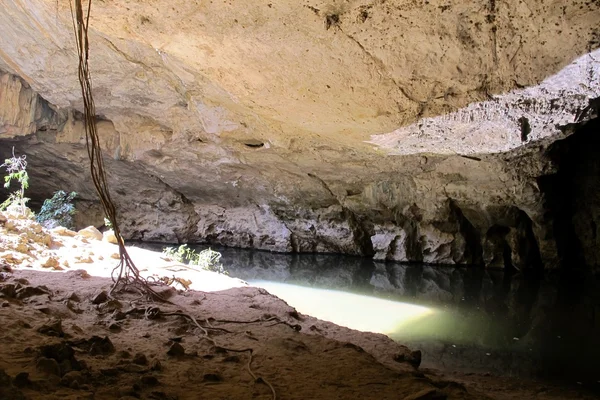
x=572, y=195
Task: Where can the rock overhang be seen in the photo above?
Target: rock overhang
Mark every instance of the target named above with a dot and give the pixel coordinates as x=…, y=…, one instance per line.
x=241, y=136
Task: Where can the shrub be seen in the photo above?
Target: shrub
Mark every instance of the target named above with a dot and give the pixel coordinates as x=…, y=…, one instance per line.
x=58, y=210
x=16, y=167
x=207, y=259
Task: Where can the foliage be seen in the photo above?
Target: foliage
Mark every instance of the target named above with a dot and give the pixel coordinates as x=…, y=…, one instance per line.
x=207, y=259
x=16, y=168
x=59, y=209
x=107, y=223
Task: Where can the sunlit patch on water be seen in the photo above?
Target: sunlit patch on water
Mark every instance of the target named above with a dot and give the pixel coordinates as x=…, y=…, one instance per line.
x=363, y=313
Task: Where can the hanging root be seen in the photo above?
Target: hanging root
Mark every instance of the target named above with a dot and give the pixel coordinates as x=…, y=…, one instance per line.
x=126, y=274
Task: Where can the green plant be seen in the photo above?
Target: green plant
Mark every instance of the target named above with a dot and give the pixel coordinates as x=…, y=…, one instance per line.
x=16, y=167
x=59, y=209
x=207, y=259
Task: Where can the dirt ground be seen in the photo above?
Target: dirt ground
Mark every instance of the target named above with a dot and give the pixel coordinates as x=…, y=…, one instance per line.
x=63, y=338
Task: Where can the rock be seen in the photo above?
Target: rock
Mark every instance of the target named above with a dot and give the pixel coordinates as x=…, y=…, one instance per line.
x=114, y=327
x=110, y=306
x=48, y=366
x=149, y=380
x=62, y=231
x=427, y=394
x=155, y=365
x=58, y=351
x=140, y=359
x=73, y=376
x=63, y=354
x=124, y=354
x=109, y=236
x=100, y=346
x=14, y=257
x=167, y=292
x=53, y=328
x=28, y=291
x=110, y=371
x=90, y=233
x=411, y=357
x=8, y=290
x=74, y=297
x=176, y=350
x=119, y=316
x=133, y=368
x=22, y=380
x=50, y=262
x=100, y=297
x=212, y=377
x=4, y=379
x=7, y=390
x=78, y=273
x=84, y=259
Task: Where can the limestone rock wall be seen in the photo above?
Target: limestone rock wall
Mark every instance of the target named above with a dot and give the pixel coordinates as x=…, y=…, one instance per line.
x=22, y=110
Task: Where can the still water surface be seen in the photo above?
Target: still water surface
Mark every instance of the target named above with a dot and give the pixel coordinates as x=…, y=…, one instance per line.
x=462, y=319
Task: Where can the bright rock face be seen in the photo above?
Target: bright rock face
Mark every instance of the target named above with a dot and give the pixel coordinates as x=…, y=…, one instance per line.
x=403, y=130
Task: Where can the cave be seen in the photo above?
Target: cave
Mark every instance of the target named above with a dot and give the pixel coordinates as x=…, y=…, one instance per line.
x=403, y=197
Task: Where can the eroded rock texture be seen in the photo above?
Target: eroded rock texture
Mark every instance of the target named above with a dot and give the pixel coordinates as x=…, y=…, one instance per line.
x=311, y=127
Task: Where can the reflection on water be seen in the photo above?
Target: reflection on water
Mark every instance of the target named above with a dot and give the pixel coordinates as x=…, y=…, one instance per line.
x=364, y=313
x=462, y=319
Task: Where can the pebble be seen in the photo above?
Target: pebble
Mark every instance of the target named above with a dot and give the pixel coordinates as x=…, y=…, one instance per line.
x=114, y=327
x=140, y=359
x=176, y=350
x=124, y=354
